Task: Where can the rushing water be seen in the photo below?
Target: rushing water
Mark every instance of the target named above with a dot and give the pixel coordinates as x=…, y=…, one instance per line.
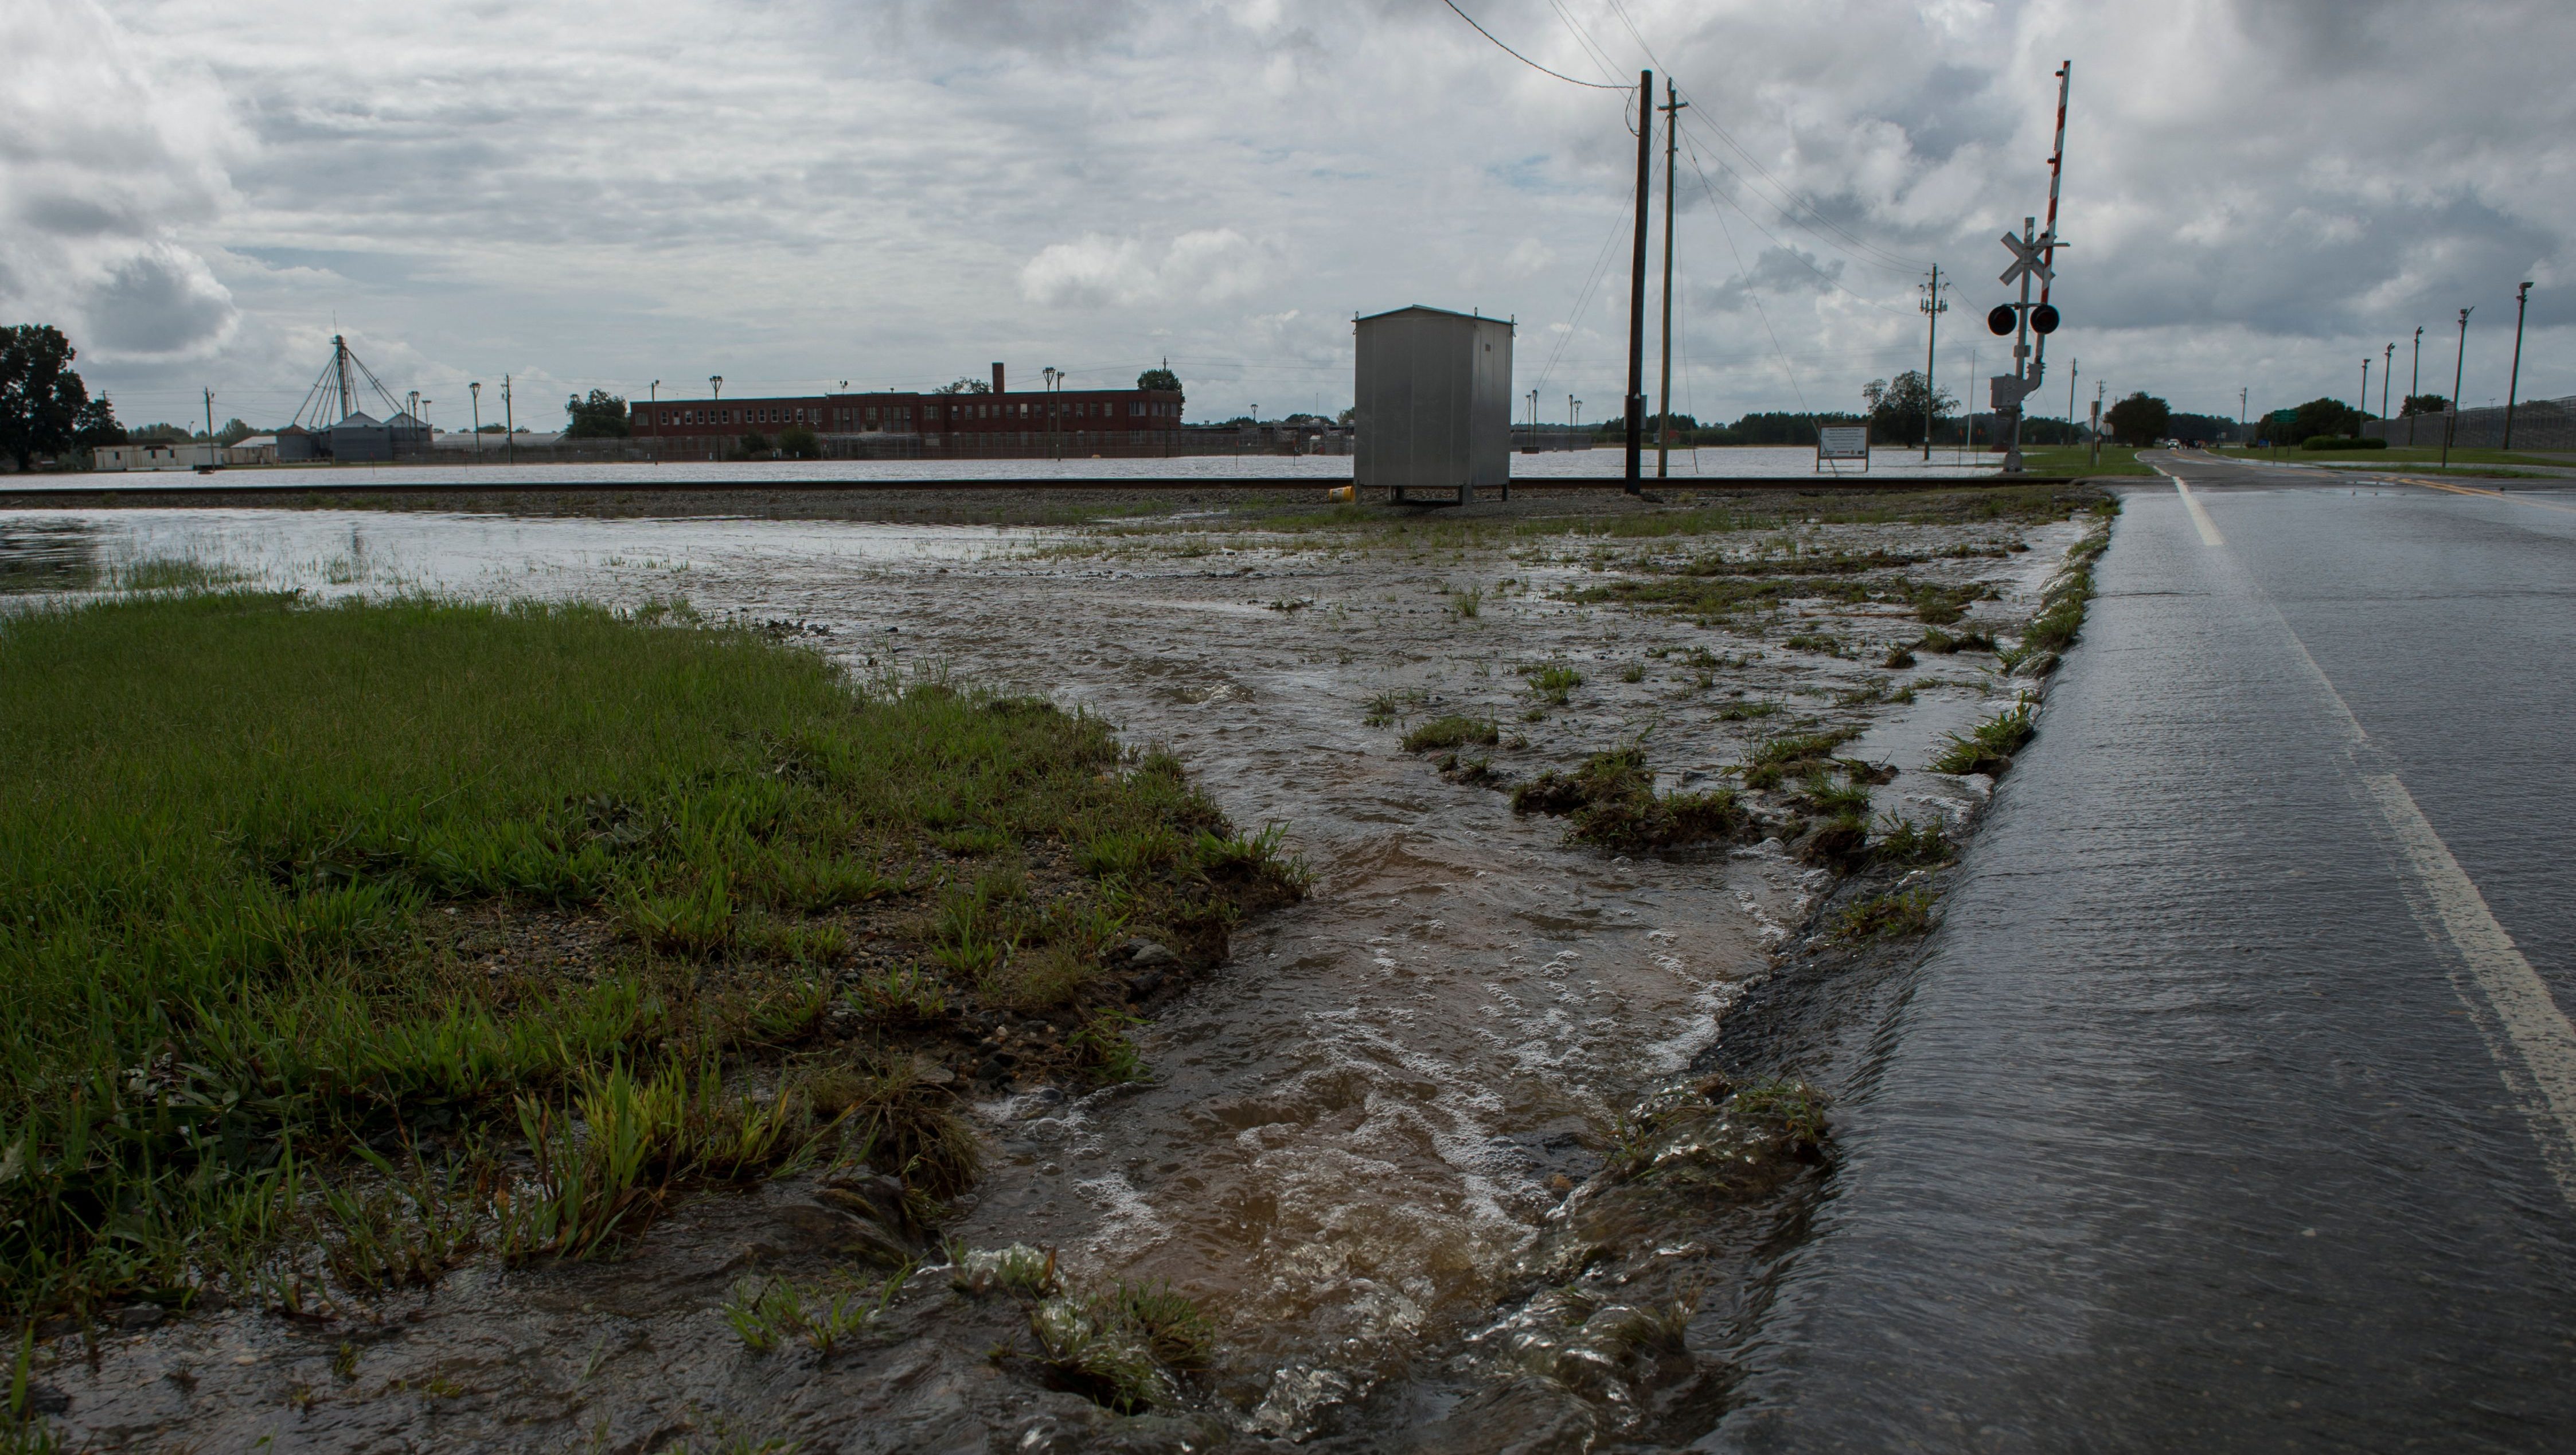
x=1357, y=1125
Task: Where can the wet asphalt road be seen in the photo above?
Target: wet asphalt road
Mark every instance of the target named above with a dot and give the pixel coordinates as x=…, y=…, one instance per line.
x=2225, y=1115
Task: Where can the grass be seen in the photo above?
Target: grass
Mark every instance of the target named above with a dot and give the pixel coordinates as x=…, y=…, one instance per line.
x=1554, y=682
x=275, y=880
x=1611, y=802
x=1796, y=755
x=1793, y=1109
x=1451, y=732
x=1888, y=916
x=1989, y=746
x=1909, y=841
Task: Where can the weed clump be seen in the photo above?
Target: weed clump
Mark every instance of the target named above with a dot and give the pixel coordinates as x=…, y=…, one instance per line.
x=1907, y=841
x=1989, y=746
x=1887, y=917
x=1793, y=1110
x=1796, y=755
x=1611, y=801
x=1451, y=732
x=1554, y=682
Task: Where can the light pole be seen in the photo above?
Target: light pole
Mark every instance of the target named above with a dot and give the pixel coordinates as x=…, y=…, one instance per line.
x=2387, y=376
x=653, y=421
x=715, y=386
x=476, y=389
x=1932, y=306
x=2451, y=421
x=2415, y=384
x=2363, y=410
x=1051, y=376
x=509, y=426
x=2521, y=301
x=2071, y=363
x=210, y=429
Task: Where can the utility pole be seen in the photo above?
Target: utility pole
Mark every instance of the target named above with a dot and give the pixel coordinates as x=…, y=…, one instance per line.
x=476, y=389
x=1673, y=104
x=653, y=421
x=2387, y=376
x=509, y=425
x=1637, y=287
x=2071, y=368
x=2242, y=437
x=2364, y=410
x=210, y=429
x=2521, y=301
x=2451, y=421
x=2415, y=384
x=2097, y=425
x=1933, y=305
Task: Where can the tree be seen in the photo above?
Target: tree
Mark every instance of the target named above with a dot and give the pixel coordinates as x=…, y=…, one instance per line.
x=40, y=397
x=796, y=442
x=96, y=425
x=1896, y=411
x=2140, y=419
x=965, y=386
x=2423, y=404
x=602, y=416
x=233, y=432
x=2320, y=417
x=755, y=443
x=1162, y=378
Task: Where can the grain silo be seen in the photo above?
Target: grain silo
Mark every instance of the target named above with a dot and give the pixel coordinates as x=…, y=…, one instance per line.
x=1433, y=403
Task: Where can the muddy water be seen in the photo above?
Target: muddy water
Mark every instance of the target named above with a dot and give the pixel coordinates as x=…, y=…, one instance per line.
x=1359, y=1126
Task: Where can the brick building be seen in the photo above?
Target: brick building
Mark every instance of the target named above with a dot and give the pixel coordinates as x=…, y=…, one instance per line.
x=1035, y=424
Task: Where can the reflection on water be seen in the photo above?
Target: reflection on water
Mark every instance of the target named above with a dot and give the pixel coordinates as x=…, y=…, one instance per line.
x=41, y=556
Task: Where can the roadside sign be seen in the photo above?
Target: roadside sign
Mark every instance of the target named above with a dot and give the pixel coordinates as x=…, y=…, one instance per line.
x=1842, y=442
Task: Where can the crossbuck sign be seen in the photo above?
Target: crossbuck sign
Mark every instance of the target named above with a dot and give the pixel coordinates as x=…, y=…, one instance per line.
x=2029, y=257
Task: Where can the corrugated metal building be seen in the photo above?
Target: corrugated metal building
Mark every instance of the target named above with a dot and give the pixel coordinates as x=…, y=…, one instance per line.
x=1433, y=403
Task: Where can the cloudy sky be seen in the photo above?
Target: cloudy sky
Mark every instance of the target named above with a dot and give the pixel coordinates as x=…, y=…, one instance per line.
x=791, y=193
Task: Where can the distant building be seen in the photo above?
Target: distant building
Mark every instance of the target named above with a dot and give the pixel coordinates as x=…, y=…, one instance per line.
x=157, y=455
x=1032, y=424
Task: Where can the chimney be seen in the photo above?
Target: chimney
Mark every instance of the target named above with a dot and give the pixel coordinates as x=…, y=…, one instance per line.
x=997, y=376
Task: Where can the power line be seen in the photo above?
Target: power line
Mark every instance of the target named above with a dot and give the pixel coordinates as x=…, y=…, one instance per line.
x=1524, y=60
x=1827, y=278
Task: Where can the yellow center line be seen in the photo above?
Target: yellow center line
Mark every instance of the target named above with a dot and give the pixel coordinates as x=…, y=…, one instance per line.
x=2473, y=490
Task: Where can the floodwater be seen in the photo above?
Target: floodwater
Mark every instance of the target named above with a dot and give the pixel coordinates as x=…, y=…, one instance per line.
x=1356, y=1130
x=1710, y=464
x=2231, y=1111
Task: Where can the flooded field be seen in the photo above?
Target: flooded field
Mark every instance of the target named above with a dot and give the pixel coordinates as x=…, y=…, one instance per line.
x=1361, y=1149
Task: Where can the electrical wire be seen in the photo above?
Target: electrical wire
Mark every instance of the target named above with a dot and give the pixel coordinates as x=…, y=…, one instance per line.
x=1524, y=60
x=1582, y=301
x=1828, y=279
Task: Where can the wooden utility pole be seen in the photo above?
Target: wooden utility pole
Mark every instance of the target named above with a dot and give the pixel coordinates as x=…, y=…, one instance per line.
x=1933, y=306
x=1673, y=105
x=1637, y=287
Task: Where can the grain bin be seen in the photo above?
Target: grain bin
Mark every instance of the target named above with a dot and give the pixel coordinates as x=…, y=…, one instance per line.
x=1433, y=398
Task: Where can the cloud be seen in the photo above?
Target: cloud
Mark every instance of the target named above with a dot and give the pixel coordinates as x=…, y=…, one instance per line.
x=1214, y=265
x=610, y=192
x=113, y=152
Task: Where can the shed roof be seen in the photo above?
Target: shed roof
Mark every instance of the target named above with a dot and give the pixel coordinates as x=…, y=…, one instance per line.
x=1435, y=312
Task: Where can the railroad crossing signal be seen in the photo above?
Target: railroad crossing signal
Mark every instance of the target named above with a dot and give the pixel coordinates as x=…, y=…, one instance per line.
x=2029, y=257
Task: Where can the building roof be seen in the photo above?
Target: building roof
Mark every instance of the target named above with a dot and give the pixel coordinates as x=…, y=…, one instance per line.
x=1435, y=312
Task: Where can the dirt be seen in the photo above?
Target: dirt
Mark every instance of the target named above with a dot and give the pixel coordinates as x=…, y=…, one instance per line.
x=1456, y=1149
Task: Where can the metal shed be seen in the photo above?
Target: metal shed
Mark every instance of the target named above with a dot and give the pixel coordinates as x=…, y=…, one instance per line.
x=1433, y=403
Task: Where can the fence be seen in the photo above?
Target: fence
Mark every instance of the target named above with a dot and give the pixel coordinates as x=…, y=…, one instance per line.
x=2538, y=424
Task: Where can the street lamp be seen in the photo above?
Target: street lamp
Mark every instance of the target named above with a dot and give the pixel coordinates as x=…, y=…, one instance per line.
x=476, y=389
x=2387, y=376
x=1053, y=377
x=653, y=421
x=2415, y=384
x=2451, y=423
x=2521, y=301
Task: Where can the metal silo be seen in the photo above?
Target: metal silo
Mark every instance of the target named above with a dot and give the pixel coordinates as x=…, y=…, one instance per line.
x=1433, y=403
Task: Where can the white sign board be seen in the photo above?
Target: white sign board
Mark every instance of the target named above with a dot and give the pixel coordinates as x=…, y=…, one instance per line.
x=1842, y=442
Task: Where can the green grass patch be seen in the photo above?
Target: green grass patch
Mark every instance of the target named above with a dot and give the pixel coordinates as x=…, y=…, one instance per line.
x=1796, y=755
x=1451, y=732
x=1990, y=745
x=276, y=879
x=1554, y=682
x=1887, y=917
x=1611, y=801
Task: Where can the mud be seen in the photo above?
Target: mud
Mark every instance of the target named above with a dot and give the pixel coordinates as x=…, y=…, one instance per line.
x=1453, y=1155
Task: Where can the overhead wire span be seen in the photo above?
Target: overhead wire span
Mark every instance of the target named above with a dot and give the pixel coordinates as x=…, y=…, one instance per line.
x=1582, y=299
x=1524, y=60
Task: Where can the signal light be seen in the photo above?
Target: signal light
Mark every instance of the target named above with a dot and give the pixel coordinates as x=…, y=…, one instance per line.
x=2043, y=319
x=2000, y=320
